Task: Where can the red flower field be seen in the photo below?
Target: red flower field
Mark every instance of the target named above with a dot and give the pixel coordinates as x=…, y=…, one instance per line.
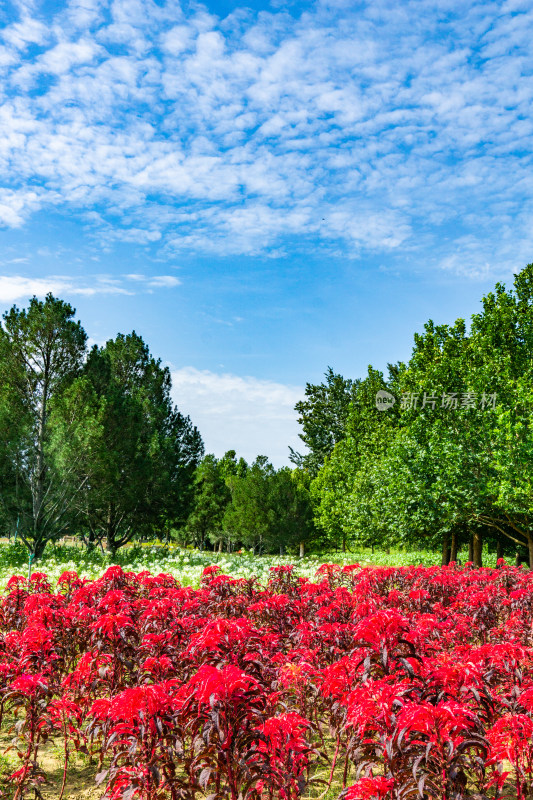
x=401, y=682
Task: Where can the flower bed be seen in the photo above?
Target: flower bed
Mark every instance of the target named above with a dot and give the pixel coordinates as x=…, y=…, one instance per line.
x=397, y=682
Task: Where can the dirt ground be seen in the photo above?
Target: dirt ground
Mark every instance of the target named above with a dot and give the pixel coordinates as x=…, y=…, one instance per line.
x=80, y=783
x=81, y=773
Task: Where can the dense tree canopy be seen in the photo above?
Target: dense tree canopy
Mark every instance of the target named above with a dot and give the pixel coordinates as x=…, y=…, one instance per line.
x=269, y=509
x=90, y=444
x=140, y=453
x=451, y=461
x=211, y=499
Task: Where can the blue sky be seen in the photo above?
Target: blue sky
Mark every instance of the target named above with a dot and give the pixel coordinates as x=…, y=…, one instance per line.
x=264, y=189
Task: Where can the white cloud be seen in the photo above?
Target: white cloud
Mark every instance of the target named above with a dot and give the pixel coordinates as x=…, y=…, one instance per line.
x=66, y=55
x=16, y=205
x=18, y=287
x=27, y=31
x=165, y=281
x=348, y=129
x=177, y=39
x=252, y=416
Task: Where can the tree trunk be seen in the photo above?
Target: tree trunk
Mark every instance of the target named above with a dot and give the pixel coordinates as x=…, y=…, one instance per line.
x=499, y=550
x=38, y=549
x=530, y=549
x=477, y=546
x=471, y=548
x=453, y=546
x=110, y=532
x=91, y=540
x=343, y=542
x=302, y=549
x=445, y=550
x=38, y=487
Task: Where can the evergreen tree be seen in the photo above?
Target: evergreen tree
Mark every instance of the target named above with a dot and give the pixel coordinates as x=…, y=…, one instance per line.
x=41, y=354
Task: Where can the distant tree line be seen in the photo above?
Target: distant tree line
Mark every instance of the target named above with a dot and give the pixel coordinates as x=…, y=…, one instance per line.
x=92, y=446
x=249, y=506
x=436, y=454
x=449, y=461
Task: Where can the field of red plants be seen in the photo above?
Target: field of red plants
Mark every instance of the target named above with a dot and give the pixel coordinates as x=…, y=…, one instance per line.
x=400, y=682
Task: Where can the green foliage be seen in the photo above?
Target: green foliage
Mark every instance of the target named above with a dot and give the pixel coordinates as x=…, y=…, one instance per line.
x=41, y=353
x=88, y=444
x=13, y=555
x=428, y=473
x=342, y=490
x=229, y=465
x=212, y=496
x=140, y=453
x=269, y=509
x=323, y=417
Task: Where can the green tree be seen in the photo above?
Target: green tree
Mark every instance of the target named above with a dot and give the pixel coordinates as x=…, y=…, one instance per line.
x=291, y=511
x=323, y=417
x=337, y=489
x=212, y=497
x=140, y=453
x=270, y=510
x=455, y=464
x=230, y=466
x=41, y=353
x=482, y=452
x=444, y=468
x=502, y=366
x=246, y=520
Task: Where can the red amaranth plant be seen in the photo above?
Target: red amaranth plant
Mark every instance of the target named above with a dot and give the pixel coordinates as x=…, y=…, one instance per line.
x=416, y=681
